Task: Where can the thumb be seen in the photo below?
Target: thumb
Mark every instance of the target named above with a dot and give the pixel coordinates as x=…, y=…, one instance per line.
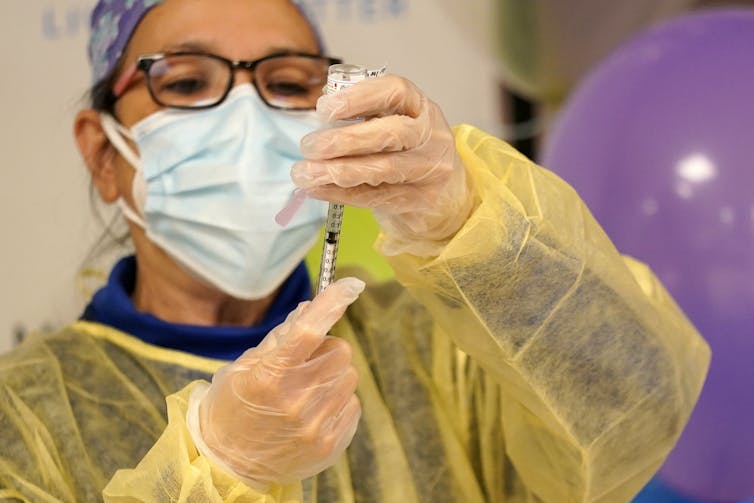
x=309, y=328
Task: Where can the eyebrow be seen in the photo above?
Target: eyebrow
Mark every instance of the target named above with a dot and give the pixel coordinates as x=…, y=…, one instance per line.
x=190, y=45
x=206, y=47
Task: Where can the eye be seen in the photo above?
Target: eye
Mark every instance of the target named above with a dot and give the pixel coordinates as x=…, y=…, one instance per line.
x=185, y=85
x=286, y=88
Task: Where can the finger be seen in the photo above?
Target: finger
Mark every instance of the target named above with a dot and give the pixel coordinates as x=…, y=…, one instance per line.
x=330, y=403
x=330, y=438
x=308, y=330
x=388, y=95
x=342, y=427
x=326, y=399
x=393, y=133
x=271, y=340
x=350, y=411
x=325, y=365
x=345, y=386
x=400, y=198
x=332, y=347
x=375, y=169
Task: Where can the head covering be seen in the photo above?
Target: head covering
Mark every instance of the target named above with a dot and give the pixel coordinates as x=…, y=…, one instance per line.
x=114, y=21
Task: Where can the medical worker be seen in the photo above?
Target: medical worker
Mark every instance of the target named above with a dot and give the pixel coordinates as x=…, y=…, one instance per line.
x=518, y=357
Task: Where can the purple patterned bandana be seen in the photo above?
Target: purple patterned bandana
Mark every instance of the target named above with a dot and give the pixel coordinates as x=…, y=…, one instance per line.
x=113, y=22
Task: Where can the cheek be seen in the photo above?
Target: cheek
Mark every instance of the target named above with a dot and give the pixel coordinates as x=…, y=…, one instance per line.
x=124, y=176
x=134, y=106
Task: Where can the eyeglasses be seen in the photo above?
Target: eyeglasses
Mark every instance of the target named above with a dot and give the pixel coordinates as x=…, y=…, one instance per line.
x=194, y=80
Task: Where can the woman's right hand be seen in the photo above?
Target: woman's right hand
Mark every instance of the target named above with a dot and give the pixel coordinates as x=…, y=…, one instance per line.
x=286, y=409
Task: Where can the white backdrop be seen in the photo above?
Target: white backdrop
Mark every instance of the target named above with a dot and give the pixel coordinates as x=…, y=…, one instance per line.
x=46, y=219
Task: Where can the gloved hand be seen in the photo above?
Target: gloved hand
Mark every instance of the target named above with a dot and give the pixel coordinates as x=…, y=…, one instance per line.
x=285, y=410
x=402, y=162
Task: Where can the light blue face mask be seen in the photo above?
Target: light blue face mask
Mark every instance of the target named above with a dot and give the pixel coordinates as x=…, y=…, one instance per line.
x=209, y=183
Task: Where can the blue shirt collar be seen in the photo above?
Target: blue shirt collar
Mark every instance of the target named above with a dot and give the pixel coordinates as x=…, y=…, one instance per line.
x=112, y=306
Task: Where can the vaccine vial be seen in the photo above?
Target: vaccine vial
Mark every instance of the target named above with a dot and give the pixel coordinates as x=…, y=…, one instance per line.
x=344, y=75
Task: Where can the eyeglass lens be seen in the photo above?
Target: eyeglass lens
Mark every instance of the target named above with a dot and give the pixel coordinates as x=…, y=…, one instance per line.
x=200, y=80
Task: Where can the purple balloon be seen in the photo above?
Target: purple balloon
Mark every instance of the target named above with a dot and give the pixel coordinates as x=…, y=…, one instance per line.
x=659, y=141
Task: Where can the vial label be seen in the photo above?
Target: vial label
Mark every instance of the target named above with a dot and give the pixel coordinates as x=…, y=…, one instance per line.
x=333, y=86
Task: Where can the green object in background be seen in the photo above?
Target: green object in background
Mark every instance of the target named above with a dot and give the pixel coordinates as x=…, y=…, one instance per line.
x=356, y=247
x=547, y=46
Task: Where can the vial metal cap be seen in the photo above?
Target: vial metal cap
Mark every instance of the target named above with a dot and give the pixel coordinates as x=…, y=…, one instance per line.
x=347, y=72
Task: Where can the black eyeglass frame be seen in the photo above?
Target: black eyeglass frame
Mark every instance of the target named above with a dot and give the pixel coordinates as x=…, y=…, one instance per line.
x=144, y=64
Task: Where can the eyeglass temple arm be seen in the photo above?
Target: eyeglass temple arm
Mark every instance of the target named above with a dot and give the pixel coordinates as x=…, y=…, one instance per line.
x=122, y=83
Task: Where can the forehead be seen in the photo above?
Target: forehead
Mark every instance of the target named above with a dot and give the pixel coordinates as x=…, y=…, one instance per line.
x=236, y=29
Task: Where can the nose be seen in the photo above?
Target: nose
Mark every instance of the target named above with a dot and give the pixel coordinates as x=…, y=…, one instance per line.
x=242, y=76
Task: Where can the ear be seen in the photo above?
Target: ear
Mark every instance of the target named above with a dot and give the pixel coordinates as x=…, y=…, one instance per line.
x=99, y=155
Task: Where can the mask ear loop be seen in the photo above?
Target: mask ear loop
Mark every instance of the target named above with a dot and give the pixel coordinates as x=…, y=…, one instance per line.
x=115, y=132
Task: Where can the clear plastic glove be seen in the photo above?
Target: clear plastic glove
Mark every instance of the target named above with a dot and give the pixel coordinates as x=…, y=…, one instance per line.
x=402, y=162
x=285, y=410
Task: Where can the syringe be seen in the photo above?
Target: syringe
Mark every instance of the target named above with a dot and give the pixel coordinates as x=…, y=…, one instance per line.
x=330, y=245
x=339, y=77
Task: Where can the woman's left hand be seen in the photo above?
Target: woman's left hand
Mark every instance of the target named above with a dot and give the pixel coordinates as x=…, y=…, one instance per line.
x=402, y=162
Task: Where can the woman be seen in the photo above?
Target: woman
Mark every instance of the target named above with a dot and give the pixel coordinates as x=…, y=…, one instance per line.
x=519, y=358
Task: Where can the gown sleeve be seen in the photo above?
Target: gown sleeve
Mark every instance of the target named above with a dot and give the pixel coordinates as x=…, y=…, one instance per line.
x=81, y=403
x=599, y=368
x=173, y=470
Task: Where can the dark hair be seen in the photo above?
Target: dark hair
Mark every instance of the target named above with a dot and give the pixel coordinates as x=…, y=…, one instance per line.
x=101, y=95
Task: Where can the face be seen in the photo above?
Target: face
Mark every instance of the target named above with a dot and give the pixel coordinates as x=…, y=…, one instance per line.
x=234, y=29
